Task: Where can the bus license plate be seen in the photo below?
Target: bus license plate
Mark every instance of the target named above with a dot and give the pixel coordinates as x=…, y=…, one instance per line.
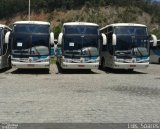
x=80, y=65
x=132, y=65
x=31, y=65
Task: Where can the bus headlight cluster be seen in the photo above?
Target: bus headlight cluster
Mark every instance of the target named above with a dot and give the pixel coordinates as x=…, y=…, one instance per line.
x=15, y=60
x=67, y=60
x=120, y=60
x=96, y=61
x=145, y=61
x=45, y=60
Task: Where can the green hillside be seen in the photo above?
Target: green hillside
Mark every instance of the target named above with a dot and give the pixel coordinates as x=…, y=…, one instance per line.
x=101, y=12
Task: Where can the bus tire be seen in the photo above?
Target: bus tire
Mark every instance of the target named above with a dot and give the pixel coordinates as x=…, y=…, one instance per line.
x=47, y=70
x=159, y=61
x=9, y=63
x=130, y=70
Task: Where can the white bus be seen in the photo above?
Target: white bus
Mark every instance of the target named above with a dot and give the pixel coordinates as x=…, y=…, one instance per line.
x=79, y=43
x=155, y=53
x=30, y=44
x=5, y=60
x=127, y=46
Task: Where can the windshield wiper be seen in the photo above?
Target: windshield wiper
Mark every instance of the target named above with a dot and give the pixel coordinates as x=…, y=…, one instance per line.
x=137, y=46
x=139, y=51
x=134, y=47
x=37, y=52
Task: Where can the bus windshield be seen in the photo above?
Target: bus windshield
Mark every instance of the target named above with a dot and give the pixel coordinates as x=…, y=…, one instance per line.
x=30, y=44
x=81, y=45
x=81, y=29
x=137, y=45
x=31, y=28
x=131, y=30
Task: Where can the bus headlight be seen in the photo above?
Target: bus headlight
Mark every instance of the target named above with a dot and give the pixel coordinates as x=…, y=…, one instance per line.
x=120, y=60
x=45, y=60
x=67, y=60
x=15, y=60
x=145, y=61
x=97, y=60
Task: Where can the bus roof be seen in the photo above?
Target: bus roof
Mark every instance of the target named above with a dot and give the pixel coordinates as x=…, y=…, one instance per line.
x=79, y=23
x=124, y=24
x=32, y=22
x=4, y=26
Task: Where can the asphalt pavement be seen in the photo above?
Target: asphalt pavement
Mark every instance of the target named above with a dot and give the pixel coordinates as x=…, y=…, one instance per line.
x=77, y=96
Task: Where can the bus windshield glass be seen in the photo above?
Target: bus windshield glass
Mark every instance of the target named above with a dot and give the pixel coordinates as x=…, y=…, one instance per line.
x=30, y=28
x=81, y=29
x=131, y=30
x=81, y=45
x=127, y=44
x=30, y=44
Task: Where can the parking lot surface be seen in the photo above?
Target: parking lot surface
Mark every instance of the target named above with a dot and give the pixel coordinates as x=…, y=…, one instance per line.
x=34, y=96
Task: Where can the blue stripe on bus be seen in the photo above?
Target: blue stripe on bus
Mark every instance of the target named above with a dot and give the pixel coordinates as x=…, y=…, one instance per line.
x=39, y=57
x=142, y=58
x=91, y=57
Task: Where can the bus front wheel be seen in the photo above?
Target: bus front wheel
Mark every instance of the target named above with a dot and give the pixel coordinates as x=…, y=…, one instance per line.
x=130, y=70
x=47, y=71
x=9, y=63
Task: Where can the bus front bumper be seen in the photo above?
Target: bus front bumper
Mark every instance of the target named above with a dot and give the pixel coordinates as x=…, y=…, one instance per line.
x=66, y=65
x=118, y=65
x=20, y=65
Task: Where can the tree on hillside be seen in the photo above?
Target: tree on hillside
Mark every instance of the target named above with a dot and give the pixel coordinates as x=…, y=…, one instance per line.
x=11, y=7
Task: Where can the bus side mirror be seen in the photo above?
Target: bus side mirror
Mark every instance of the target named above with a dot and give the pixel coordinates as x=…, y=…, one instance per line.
x=104, y=38
x=114, y=39
x=60, y=38
x=7, y=37
x=52, y=38
x=154, y=40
